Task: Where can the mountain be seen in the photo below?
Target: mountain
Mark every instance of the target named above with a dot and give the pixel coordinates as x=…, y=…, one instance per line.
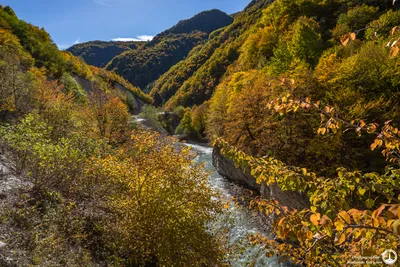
x=193, y=80
x=206, y=21
x=228, y=81
x=99, y=53
x=26, y=46
x=142, y=67
x=75, y=168
x=142, y=63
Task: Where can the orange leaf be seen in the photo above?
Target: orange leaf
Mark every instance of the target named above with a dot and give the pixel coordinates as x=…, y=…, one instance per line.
x=342, y=239
x=315, y=218
x=325, y=219
x=394, y=51
x=393, y=30
x=345, y=216
x=378, y=212
x=352, y=36
x=345, y=39
x=373, y=146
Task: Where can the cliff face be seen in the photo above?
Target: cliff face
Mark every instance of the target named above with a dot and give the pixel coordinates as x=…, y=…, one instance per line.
x=134, y=103
x=226, y=168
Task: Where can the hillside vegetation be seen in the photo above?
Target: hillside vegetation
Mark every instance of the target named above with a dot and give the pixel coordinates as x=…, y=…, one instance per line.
x=99, y=53
x=97, y=192
x=302, y=95
x=141, y=64
x=305, y=94
x=192, y=81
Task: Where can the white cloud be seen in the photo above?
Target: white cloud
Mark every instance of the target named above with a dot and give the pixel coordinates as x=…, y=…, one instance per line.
x=65, y=46
x=137, y=39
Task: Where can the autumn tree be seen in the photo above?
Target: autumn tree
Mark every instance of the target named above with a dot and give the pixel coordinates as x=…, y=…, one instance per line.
x=111, y=116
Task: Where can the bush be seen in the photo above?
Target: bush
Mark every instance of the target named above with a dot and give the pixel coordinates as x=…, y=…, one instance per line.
x=152, y=116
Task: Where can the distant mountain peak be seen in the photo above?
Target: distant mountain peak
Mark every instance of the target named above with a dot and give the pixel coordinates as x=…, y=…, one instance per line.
x=206, y=21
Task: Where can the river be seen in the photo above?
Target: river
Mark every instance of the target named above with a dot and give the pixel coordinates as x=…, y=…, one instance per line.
x=241, y=223
x=238, y=221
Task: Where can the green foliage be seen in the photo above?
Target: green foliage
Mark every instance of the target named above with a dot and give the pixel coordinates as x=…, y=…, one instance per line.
x=152, y=117
x=355, y=19
x=169, y=83
x=37, y=42
x=143, y=66
x=72, y=86
x=15, y=95
x=258, y=48
x=383, y=25
x=185, y=127
x=306, y=43
x=179, y=112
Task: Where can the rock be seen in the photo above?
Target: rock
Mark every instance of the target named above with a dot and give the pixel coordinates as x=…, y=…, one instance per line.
x=226, y=168
x=2, y=244
x=135, y=103
x=181, y=137
x=3, y=196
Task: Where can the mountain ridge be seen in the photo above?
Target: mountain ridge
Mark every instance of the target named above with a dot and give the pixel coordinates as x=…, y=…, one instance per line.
x=143, y=64
x=99, y=53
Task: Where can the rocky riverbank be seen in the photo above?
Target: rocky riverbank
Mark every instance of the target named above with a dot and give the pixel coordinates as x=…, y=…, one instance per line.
x=226, y=168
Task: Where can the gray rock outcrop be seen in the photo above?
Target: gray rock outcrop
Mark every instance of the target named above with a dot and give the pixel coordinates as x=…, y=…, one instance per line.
x=226, y=168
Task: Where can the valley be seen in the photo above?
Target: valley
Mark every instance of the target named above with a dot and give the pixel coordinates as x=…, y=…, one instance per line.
x=267, y=137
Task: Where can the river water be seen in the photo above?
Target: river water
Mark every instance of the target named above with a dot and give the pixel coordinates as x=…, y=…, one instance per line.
x=240, y=222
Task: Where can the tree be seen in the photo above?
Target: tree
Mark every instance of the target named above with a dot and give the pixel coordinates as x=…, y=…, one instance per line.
x=306, y=43
x=110, y=114
x=161, y=209
x=15, y=95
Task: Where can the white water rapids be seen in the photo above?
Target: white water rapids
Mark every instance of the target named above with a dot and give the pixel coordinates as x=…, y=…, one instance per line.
x=240, y=223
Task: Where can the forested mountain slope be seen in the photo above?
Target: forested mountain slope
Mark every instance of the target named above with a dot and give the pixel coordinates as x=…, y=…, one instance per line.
x=36, y=49
x=302, y=95
x=99, y=53
x=305, y=94
x=193, y=80
x=206, y=21
x=81, y=184
x=240, y=68
x=142, y=67
x=142, y=63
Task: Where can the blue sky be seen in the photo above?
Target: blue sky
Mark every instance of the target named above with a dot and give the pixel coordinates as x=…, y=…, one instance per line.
x=73, y=21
